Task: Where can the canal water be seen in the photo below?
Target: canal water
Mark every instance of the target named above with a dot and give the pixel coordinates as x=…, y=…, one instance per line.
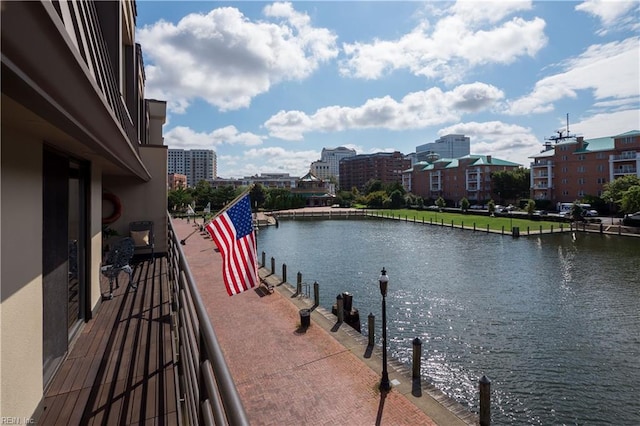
x=552, y=321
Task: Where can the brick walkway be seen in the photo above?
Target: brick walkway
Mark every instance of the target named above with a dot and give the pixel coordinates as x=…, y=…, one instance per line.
x=288, y=377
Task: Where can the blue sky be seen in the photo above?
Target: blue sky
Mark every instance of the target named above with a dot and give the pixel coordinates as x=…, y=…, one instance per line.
x=268, y=85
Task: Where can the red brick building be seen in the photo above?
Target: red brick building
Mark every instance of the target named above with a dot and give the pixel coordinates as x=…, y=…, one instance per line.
x=455, y=178
x=571, y=167
x=386, y=167
x=176, y=180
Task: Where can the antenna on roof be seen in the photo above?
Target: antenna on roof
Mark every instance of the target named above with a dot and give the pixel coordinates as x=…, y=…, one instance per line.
x=559, y=138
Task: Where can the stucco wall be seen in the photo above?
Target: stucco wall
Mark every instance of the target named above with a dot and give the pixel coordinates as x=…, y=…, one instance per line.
x=144, y=200
x=20, y=276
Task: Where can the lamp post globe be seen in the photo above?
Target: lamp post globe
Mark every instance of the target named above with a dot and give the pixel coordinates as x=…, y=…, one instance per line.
x=385, y=386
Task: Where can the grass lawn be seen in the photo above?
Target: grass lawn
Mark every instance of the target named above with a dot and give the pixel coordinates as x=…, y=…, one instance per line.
x=469, y=219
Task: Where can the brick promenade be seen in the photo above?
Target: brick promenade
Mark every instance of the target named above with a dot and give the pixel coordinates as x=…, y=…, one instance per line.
x=286, y=376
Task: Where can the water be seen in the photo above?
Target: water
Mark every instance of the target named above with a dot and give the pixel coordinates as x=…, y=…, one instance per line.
x=552, y=321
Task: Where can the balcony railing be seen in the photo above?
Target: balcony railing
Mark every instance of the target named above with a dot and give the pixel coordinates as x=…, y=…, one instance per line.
x=624, y=170
x=624, y=157
x=210, y=396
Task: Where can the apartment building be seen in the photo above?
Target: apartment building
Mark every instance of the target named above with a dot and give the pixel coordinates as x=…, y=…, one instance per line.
x=195, y=164
x=453, y=179
x=176, y=181
x=448, y=146
x=74, y=125
x=571, y=167
x=387, y=167
x=329, y=164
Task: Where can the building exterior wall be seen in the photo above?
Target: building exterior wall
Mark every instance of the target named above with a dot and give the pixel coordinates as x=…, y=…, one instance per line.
x=386, y=167
x=332, y=157
x=196, y=164
x=103, y=132
x=453, y=179
x=574, y=167
x=175, y=181
x=21, y=275
x=449, y=146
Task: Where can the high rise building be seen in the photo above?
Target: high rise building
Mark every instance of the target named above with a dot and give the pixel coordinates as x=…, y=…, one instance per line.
x=449, y=146
x=195, y=164
x=329, y=164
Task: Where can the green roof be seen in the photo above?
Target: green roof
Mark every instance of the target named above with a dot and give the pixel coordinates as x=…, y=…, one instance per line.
x=598, y=144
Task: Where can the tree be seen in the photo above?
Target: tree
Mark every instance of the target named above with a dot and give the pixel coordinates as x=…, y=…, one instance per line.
x=511, y=184
x=530, y=207
x=464, y=204
x=376, y=199
x=491, y=205
x=257, y=195
x=615, y=190
x=372, y=185
x=630, y=202
x=397, y=199
x=440, y=203
x=178, y=198
x=576, y=211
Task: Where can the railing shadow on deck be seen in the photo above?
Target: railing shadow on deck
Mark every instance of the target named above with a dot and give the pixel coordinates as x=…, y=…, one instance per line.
x=208, y=393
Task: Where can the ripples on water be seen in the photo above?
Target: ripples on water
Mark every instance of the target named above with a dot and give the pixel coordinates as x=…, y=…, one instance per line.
x=553, y=322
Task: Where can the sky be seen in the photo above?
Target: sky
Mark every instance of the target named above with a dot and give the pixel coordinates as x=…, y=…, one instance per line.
x=268, y=85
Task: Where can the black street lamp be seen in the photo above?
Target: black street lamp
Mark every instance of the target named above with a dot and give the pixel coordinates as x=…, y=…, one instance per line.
x=385, y=386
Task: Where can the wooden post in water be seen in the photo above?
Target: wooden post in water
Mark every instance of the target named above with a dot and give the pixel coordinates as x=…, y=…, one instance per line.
x=263, y=259
x=371, y=321
x=417, y=357
x=340, y=308
x=299, y=284
x=273, y=265
x=485, y=401
x=284, y=272
x=316, y=293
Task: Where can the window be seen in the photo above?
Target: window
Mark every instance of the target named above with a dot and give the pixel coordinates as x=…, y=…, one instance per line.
x=600, y=167
x=581, y=169
x=602, y=180
x=565, y=158
x=565, y=180
x=601, y=156
x=565, y=169
x=581, y=181
x=581, y=157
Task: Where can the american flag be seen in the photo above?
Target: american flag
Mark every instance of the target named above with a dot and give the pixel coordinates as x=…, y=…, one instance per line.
x=232, y=231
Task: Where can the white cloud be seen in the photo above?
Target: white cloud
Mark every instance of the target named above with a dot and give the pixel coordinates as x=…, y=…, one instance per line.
x=267, y=160
x=613, y=14
x=186, y=138
x=225, y=59
x=607, y=124
x=468, y=36
x=416, y=110
x=509, y=142
x=609, y=70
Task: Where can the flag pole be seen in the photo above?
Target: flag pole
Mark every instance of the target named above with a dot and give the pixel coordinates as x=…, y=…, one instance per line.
x=224, y=209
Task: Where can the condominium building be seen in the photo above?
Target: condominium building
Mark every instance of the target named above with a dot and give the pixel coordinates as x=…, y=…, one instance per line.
x=455, y=178
x=387, y=167
x=449, y=146
x=76, y=132
x=329, y=164
x=196, y=164
x=268, y=180
x=571, y=167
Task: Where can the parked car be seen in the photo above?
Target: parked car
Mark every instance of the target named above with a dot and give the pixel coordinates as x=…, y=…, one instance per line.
x=632, y=219
x=590, y=213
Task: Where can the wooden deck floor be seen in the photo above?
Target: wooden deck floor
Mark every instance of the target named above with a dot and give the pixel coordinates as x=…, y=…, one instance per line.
x=121, y=369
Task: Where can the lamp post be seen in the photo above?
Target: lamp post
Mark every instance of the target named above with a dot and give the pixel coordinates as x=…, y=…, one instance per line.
x=385, y=386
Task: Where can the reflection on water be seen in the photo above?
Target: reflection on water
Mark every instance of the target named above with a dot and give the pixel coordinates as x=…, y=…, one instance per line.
x=553, y=322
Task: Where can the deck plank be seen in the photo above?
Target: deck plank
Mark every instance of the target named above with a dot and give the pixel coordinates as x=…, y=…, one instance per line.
x=121, y=369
